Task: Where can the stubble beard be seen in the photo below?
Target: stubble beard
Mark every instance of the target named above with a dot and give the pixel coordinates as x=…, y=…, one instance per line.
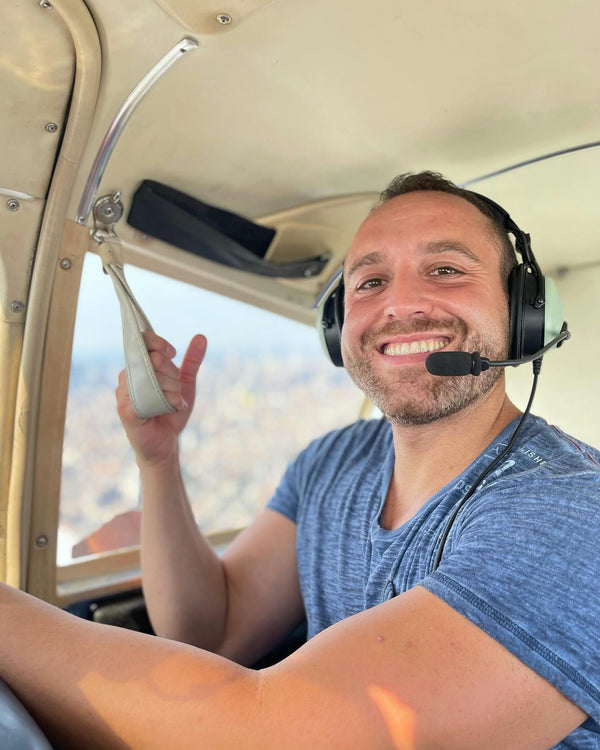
x=411, y=396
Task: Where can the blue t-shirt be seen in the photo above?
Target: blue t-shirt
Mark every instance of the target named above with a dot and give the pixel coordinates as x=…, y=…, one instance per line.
x=521, y=560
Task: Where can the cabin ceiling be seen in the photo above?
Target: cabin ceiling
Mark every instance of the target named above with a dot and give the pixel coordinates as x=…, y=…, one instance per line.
x=301, y=101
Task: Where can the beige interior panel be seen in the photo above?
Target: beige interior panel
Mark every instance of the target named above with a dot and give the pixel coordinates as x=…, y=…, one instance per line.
x=19, y=229
x=37, y=65
x=291, y=300
x=322, y=98
x=210, y=16
x=556, y=201
x=567, y=393
x=326, y=227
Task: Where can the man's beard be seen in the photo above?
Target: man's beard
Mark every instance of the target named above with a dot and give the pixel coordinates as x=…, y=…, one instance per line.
x=411, y=396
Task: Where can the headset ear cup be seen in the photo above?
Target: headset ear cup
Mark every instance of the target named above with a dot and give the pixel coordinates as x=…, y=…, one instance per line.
x=527, y=322
x=515, y=301
x=330, y=323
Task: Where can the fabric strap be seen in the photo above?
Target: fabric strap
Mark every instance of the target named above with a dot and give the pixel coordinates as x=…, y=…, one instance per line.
x=146, y=395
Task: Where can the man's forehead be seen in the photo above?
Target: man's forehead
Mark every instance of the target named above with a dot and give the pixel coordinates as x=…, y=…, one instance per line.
x=442, y=218
x=432, y=248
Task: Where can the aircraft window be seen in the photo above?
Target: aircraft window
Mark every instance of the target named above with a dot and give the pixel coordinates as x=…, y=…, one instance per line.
x=264, y=391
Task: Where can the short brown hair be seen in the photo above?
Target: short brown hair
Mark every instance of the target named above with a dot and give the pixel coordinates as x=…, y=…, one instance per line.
x=411, y=183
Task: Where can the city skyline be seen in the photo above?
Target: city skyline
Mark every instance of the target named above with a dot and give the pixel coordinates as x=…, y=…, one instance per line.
x=264, y=391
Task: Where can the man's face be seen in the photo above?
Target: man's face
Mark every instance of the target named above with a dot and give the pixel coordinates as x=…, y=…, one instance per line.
x=422, y=275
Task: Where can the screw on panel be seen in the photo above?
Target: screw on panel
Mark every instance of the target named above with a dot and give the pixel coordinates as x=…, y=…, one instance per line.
x=65, y=264
x=13, y=204
x=224, y=18
x=17, y=306
x=41, y=541
x=51, y=127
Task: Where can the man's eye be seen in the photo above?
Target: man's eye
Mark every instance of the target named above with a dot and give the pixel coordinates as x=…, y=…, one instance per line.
x=444, y=271
x=369, y=284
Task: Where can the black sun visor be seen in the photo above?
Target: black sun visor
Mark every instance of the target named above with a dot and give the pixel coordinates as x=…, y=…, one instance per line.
x=212, y=233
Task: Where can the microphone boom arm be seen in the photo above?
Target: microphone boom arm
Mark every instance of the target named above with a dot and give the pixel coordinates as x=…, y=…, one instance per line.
x=454, y=363
x=486, y=363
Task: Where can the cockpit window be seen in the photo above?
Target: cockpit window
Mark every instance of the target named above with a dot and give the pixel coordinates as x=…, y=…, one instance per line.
x=264, y=390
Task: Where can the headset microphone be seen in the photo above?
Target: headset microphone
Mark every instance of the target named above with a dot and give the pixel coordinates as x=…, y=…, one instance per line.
x=465, y=363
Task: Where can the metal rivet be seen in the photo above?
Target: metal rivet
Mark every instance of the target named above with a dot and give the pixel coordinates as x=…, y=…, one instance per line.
x=41, y=541
x=13, y=204
x=17, y=306
x=45, y=4
x=51, y=127
x=65, y=264
x=224, y=18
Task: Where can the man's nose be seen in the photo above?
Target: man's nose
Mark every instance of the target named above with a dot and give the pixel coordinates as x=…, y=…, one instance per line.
x=407, y=297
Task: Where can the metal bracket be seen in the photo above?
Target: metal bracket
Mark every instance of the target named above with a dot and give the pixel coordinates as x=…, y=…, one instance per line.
x=107, y=212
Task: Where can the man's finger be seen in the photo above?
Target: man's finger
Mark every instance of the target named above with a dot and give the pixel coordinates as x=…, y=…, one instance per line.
x=164, y=365
x=193, y=359
x=155, y=343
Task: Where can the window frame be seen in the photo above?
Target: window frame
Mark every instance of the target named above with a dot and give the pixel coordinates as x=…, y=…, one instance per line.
x=116, y=571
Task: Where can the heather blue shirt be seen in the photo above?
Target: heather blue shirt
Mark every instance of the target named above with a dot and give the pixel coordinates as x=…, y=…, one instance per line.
x=521, y=561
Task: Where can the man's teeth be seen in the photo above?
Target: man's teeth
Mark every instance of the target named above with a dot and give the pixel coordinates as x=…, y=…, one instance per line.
x=414, y=347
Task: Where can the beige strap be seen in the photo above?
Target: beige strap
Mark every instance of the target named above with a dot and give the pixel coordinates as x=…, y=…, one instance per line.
x=146, y=395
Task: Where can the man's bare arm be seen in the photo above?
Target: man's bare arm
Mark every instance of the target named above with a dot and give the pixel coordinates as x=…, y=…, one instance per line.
x=240, y=605
x=410, y=673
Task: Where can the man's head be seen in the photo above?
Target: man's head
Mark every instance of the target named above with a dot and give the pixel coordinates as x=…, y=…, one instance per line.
x=409, y=183
x=426, y=270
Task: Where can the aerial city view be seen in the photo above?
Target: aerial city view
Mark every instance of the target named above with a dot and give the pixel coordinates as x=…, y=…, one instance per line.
x=260, y=400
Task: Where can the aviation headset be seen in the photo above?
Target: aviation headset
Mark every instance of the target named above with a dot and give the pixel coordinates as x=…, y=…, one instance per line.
x=535, y=308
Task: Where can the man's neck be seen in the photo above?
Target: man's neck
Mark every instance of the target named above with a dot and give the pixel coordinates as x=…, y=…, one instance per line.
x=427, y=457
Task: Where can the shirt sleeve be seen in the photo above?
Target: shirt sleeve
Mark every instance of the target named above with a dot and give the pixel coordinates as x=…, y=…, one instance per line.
x=322, y=459
x=286, y=497
x=522, y=564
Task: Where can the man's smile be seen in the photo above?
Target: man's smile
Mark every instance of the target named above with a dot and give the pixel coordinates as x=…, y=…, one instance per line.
x=420, y=346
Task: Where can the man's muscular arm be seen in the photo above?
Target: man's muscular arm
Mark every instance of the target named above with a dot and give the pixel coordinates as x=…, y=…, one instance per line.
x=239, y=605
x=409, y=673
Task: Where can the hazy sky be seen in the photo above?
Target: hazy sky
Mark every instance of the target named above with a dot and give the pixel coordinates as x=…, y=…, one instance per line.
x=177, y=311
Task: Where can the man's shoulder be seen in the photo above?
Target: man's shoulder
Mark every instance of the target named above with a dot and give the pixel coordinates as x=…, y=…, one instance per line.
x=334, y=460
x=546, y=466
x=548, y=446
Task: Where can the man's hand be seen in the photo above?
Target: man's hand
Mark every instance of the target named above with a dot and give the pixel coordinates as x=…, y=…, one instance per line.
x=154, y=440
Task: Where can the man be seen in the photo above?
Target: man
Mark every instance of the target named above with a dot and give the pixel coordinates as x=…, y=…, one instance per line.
x=497, y=648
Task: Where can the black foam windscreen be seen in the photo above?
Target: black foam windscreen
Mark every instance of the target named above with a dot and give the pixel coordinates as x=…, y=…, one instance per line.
x=450, y=363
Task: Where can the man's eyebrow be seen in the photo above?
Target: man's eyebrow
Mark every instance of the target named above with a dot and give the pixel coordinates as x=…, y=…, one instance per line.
x=367, y=260
x=444, y=246
x=430, y=248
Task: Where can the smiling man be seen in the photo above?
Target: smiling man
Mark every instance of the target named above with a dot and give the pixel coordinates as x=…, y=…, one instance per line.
x=496, y=648
x=435, y=294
